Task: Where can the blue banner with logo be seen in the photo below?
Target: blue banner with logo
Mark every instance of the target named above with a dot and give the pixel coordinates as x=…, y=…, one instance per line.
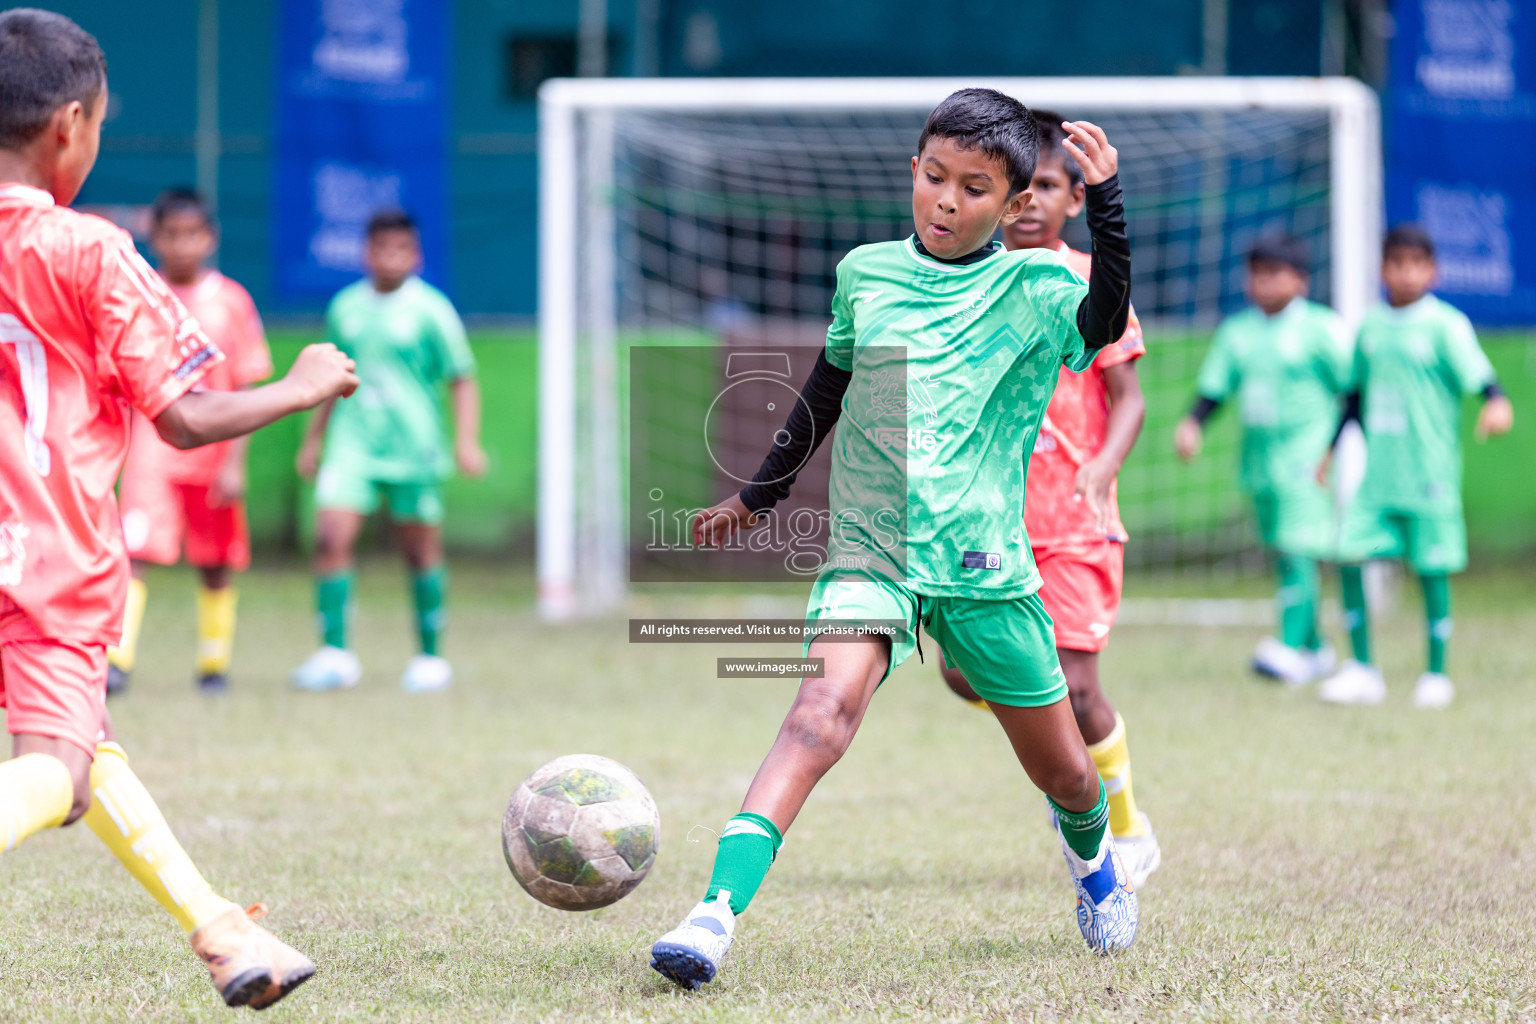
x=361, y=125
x=1461, y=147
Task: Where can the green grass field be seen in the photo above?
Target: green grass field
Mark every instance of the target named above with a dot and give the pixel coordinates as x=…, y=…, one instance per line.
x=1320, y=864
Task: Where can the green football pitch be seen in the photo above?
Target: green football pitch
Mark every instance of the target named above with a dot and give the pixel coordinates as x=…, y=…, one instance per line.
x=1320, y=864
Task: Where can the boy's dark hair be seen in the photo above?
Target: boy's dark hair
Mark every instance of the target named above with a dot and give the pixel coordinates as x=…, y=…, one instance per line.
x=1000, y=126
x=179, y=200
x=46, y=61
x=1408, y=236
x=1051, y=135
x=391, y=218
x=1287, y=250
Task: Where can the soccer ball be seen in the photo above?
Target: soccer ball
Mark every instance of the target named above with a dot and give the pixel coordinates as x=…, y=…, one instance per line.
x=581, y=832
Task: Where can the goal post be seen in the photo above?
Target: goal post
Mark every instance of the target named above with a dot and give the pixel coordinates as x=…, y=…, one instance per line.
x=604, y=270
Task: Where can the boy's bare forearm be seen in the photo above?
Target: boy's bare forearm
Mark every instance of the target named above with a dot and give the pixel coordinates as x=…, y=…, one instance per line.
x=203, y=417
x=315, y=429
x=465, y=394
x=1127, y=414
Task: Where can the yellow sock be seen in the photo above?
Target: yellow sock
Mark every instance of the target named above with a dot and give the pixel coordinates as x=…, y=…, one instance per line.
x=35, y=793
x=215, y=629
x=123, y=654
x=124, y=816
x=1113, y=759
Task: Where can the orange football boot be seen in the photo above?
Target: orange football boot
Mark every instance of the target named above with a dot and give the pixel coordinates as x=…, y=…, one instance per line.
x=247, y=964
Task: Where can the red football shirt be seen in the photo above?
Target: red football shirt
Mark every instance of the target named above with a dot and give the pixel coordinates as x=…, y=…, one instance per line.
x=87, y=329
x=227, y=315
x=1073, y=433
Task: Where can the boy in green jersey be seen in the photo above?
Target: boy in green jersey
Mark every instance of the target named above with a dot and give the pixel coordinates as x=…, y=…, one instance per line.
x=389, y=447
x=1414, y=359
x=1286, y=361
x=941, y=357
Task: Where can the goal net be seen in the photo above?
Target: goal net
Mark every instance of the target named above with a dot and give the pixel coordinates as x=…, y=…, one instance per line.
x=689, y=233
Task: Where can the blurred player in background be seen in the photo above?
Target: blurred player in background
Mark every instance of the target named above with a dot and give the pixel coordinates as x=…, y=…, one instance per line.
x=1414, y=359
x=1070, y=512
x=89, y=332
x=388, y=446
x=1286, y=361
x=198, y=496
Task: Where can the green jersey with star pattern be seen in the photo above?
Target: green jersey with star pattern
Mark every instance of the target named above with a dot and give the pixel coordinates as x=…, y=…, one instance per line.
x=1412, y=365
x=406, y=344
x=953, y=366
x=1286, y=372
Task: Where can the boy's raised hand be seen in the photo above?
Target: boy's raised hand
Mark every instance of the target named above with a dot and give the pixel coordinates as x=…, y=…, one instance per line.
x=714, y=526
x=322, y=371
x=1089, y=146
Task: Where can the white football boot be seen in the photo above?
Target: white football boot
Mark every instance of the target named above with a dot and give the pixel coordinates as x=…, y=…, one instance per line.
x=1107, y=908
x=1433, y=691
x=426, y=673
x=1290, y=665
x=1354, y=683
x=690, y=954
x=329, y=668
x=1140, y=854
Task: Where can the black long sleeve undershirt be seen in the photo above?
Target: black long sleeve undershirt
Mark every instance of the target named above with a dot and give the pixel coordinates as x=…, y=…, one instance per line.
x=810, y=421
x=1101, y=319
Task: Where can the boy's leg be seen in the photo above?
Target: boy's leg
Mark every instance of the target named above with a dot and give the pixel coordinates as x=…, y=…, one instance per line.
x=1296, y=600
x=418, y=512
x=1437, y=616
x=218, y=543
x=154, y=524
x=1357, y=617
x=122, y=658
x=333, y=666
x=217, y=600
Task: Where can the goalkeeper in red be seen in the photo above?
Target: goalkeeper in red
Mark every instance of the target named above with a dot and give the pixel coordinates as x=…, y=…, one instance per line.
x=88, y=335
x=974, y=335
x=1415, y=358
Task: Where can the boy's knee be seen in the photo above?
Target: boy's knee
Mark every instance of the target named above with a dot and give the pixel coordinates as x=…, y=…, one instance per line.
x=822, y=721
x=1076, y=781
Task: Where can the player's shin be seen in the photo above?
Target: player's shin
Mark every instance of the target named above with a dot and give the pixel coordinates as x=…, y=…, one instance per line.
x=747, y=849
x=1297, y=600
x=1112, y=757
x=429, y=590
x=1357, y=617
x=215, y=629
x=1437, y=616
x=333, y=599
x=125, y=653
x=35, y=794
x=125, y=817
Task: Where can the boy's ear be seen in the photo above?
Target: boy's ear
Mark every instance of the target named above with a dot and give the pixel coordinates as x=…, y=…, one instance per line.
x=1014, y=208
x=1079, y=197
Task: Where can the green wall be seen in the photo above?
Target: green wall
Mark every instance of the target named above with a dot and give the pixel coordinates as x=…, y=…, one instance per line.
x=1159, y=496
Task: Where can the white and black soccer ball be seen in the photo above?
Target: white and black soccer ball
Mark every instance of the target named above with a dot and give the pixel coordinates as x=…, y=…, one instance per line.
x=580, y=832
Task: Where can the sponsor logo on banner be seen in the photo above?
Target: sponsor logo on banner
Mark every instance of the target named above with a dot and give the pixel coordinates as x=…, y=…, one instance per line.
x=1471, y=50
x=363, y=40
x=1472, y=238
x=345, y=197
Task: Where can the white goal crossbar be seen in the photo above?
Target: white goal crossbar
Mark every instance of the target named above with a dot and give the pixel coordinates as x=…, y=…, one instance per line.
x=576, y=172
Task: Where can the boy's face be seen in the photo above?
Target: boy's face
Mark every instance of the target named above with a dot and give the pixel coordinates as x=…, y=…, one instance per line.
x=958, y=198
x=1408, y=273
x=77, y=135
x=183, y=240
x=1272, y=286
x=1054, y=200
x=392, y=256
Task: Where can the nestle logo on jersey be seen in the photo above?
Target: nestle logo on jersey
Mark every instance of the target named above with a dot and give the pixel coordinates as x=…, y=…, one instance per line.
x=981, y=560
x=916, y=439
x=197, y=359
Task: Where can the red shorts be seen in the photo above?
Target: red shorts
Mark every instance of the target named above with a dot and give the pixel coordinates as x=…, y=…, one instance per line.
x=158, y=514
x=54, y=688
x=1082, y=591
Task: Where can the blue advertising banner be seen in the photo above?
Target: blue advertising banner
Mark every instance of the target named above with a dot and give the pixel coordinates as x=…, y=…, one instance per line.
x=360, y=125
x=1461, y=147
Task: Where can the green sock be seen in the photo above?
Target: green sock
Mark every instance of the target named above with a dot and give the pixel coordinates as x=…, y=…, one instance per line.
x=747, y=850
x=1437, y=615
x=1357, y=618
x=1084, y=832
x=1297, y=601
x=333, y=596
x=429, y=588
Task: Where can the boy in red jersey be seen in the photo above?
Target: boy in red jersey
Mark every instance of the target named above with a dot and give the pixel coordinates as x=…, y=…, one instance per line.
x=1070, y=512
x=88, y=332
x=167, y=495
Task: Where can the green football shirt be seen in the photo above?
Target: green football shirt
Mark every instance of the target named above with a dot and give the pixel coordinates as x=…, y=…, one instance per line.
x=1412, y=365
x=1286, y=372
x=406, y=343
x=953, y=365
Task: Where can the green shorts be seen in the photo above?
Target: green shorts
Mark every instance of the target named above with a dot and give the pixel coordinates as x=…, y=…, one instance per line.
x=1007, y=649
x=419, y=501
x=1431, y=543
x=1296, y=521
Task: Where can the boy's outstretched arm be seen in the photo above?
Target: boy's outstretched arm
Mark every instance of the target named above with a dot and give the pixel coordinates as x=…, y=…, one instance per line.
x=1104, y=312
x=465, y=394
x=321, y=372
x=1127, y=412
x=810, y=421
